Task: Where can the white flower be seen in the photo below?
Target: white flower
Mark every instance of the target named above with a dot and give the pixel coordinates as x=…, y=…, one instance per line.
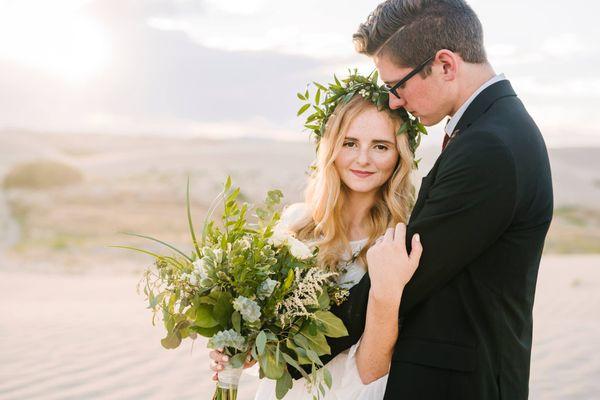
x=228, y=338
x=307, y=288
x=190, y=278
x=248, y=308
x=218, y=256
x=245, y=243
x=281, y=235
x=299, y=249
x=266, y=288
x=200, y=268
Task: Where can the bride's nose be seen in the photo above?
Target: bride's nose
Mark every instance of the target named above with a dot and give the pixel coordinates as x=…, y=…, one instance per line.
x=363, y=156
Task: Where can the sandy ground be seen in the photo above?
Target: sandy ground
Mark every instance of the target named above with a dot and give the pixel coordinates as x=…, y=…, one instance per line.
x=89, y=336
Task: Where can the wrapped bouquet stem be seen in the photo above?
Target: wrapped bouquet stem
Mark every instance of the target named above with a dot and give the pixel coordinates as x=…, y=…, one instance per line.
x=227, y=385
x=253, y=289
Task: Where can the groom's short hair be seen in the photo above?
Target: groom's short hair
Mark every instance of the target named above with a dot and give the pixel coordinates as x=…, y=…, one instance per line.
x=410, y=31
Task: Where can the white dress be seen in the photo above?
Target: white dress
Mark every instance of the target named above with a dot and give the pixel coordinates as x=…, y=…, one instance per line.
x=346, y=383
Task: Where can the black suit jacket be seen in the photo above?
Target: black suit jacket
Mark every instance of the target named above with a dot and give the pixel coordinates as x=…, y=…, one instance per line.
x=482, y=212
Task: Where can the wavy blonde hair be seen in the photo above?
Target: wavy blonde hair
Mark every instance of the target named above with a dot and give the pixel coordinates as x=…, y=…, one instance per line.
x=326, y=194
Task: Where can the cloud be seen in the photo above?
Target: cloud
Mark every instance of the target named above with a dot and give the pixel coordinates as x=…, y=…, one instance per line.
x=264, y=25
x=564, y=46
x=160, y=77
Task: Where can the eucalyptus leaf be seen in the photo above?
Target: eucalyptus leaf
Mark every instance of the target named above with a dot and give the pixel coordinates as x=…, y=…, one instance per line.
x=204, y=316
x=324, y=300
x=238, y=360
x=327, y=377
x=313, y=357
x=290, y=360
x=283, y=385
x=317, y=342
x=268, y=364
x=261, y=342
x=333, y=326
x=206, y=332
x=172, y=341
x=223, y=308
x=236, y=321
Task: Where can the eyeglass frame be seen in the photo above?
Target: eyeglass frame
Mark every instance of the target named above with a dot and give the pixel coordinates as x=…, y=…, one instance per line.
x=416, y=70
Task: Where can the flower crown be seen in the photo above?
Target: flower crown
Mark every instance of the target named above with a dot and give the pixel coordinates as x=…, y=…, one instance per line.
x=327, y=98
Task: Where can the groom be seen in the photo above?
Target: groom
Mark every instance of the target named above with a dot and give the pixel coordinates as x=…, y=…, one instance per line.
x=482, y=211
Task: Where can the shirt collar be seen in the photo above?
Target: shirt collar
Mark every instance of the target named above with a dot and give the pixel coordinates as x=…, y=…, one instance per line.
x=453, y=121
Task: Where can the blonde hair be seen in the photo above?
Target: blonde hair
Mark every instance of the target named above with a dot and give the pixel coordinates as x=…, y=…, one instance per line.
x=325, y=194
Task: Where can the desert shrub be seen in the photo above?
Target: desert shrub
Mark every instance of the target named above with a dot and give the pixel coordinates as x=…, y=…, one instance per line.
x=41, y=174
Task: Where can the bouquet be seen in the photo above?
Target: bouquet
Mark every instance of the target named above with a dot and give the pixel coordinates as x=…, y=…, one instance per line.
x=253, y=289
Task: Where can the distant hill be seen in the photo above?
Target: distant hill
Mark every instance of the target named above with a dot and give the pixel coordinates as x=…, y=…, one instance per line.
x=137, y=184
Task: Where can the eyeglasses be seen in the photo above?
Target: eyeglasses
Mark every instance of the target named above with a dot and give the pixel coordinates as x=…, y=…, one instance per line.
x=416, y=70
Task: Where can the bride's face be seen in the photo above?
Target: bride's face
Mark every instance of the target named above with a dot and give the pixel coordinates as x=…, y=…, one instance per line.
x=368, y=156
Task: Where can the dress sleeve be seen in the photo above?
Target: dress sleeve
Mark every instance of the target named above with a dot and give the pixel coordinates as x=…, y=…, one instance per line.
x=351, y=379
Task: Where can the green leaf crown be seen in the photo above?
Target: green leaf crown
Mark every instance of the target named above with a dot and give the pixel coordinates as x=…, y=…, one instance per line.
x=327, y=98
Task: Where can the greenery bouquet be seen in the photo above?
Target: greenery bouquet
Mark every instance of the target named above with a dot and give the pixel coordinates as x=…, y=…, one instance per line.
x=253, y=289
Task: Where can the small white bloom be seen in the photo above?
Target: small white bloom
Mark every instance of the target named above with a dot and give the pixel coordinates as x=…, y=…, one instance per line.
x=200, y=268
x=281, y=235
x=248, y=308
x=193, y=279
x=299, y=249
x=266, y=288
x=228, y=338
x=218, y=256
x=245, y=243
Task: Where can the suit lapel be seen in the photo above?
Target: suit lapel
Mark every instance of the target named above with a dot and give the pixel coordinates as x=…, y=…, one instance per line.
x=478, y=107
x=483, y=102
x=426, y=183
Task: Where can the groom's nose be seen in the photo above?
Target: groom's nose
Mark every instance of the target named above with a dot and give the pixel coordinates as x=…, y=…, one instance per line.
x=396, y=102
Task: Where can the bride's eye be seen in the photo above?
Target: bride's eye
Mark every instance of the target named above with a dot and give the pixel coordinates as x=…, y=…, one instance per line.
x=349, y=144
x=381, y=147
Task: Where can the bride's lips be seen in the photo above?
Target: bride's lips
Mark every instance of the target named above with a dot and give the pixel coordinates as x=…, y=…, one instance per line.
x=361, y=174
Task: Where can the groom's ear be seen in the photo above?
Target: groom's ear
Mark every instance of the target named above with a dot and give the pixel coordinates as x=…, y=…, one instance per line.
x=449, y=62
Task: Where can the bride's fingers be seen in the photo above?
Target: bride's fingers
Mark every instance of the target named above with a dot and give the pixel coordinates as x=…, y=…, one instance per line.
x=400, y=236
x=216, y=366
x=215, y=377
x=417, y=250
x=389, y=234
x=218, y=356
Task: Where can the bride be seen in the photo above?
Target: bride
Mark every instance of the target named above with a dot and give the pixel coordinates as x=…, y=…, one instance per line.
x=357, y=201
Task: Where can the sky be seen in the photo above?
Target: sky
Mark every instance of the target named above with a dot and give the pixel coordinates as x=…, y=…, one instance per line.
x=222, y=69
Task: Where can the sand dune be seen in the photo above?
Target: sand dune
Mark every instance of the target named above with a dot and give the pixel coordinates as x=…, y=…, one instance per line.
x=88, y=336
x=73, y=327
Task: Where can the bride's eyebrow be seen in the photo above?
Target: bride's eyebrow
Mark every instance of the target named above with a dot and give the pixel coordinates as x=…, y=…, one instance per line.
x=377, y=141
x=383, y=141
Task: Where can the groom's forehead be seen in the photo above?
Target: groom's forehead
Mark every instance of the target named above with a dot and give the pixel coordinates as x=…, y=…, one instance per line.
x=388, y=70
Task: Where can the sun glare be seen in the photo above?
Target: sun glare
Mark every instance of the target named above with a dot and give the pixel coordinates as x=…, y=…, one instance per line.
x=55, y=37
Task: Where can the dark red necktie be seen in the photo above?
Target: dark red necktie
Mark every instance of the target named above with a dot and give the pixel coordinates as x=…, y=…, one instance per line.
x=446, y=136
x=446, y=140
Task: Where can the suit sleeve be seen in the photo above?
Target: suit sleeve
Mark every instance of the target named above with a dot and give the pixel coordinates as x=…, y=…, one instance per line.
x=468, y=206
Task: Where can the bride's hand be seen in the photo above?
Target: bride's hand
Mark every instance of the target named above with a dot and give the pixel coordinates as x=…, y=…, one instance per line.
x=220, y=360
x=390, y=265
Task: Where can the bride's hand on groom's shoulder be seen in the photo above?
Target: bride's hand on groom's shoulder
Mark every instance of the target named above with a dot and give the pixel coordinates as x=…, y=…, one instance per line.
x=218, y=360
x=390, y=264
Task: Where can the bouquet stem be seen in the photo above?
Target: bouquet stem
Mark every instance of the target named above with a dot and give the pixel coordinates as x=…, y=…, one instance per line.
x=227, y=386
